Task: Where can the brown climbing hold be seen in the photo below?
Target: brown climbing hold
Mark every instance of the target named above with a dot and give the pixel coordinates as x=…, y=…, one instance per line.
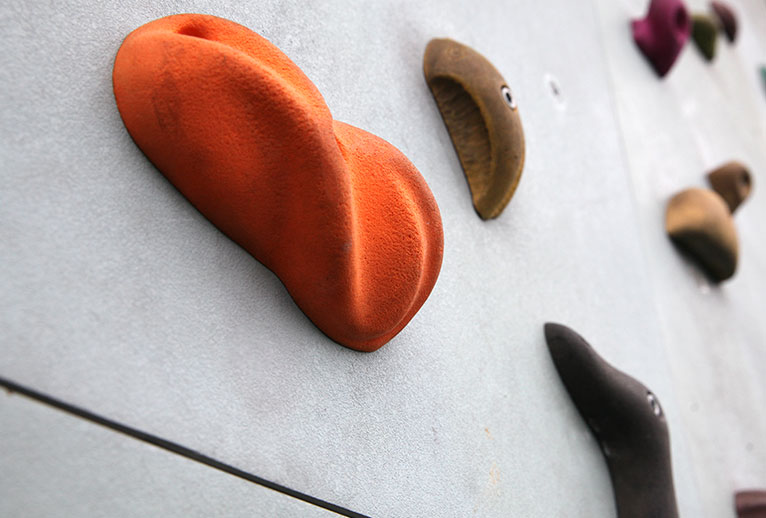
x=626, y=419
x=483, y=121
x=699, y=222
x=750, y=504
x=733, y=182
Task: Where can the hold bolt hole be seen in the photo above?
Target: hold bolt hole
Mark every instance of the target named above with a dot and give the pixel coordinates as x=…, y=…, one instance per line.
x=508, y=96
x=656, y=408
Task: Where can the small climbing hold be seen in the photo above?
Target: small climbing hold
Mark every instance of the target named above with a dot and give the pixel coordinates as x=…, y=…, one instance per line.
x=726, y=18
x=750, y=503
x=662, y=33
x=704, y=32
x=482, y=118
x=733, y=182
x=699, y=222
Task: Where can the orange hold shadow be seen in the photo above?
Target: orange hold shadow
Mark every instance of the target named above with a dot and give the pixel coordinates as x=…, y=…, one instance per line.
x=341, y=216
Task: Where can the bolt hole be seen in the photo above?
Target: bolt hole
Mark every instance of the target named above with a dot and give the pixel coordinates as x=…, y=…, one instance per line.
x=508, y=96
x=654, y=404
x=553, y=86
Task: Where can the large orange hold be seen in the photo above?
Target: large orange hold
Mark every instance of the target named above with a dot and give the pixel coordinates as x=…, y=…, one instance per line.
x=339, y=215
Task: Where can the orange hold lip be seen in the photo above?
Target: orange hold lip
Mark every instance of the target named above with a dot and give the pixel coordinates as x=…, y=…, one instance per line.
x=339, y=215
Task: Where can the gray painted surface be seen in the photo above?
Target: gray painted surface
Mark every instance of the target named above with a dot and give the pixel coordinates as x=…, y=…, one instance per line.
x=715, y=338
x=118, y=296
x=61, y=465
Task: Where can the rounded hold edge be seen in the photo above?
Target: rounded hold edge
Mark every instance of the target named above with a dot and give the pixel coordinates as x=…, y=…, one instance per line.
x=484, y=127
x=557, y=335
x=574, y=359
x=551, y=329
x=733, y=182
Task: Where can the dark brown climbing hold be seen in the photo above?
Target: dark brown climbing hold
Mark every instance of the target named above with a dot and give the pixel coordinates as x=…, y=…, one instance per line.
x=483, y=121
x=626, y=420
x=750, y=504
x=733, y=182
x=700, y=223
x=704, y=33
x=727, y=19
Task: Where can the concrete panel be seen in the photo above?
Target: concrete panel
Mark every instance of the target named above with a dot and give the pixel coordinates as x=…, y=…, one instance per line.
x=55, y=464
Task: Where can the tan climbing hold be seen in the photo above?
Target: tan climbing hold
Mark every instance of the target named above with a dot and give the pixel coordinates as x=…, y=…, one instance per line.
x=699, y=222
x=483, y=121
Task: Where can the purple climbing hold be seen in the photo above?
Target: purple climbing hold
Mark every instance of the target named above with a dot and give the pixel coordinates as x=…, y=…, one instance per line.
x=662, y=33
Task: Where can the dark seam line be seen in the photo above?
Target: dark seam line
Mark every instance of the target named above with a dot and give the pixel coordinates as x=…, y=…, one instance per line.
x=174, y=448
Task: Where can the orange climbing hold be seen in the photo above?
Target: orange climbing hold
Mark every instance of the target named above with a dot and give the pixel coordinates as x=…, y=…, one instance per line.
x=339, y=215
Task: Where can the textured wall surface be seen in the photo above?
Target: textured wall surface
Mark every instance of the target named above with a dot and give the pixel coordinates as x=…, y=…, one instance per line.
x=118, y=296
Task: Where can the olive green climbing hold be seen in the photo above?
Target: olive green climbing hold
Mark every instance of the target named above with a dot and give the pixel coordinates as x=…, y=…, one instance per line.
x=704, y=32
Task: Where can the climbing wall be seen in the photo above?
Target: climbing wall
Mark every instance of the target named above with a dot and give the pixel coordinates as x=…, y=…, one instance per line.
x=118, y=297
x=714, y=338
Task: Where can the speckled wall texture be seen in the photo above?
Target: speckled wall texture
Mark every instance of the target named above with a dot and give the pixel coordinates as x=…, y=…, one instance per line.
x=117, y=295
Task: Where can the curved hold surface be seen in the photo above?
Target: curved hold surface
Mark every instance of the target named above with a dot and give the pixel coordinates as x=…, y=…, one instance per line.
x=662, y=33
x=700, y=223
x=733, y=182
x=339, y=215
x=750, y=504
x=480, y=113
x=704, y=32
x=626, y=420
x=727, y=18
